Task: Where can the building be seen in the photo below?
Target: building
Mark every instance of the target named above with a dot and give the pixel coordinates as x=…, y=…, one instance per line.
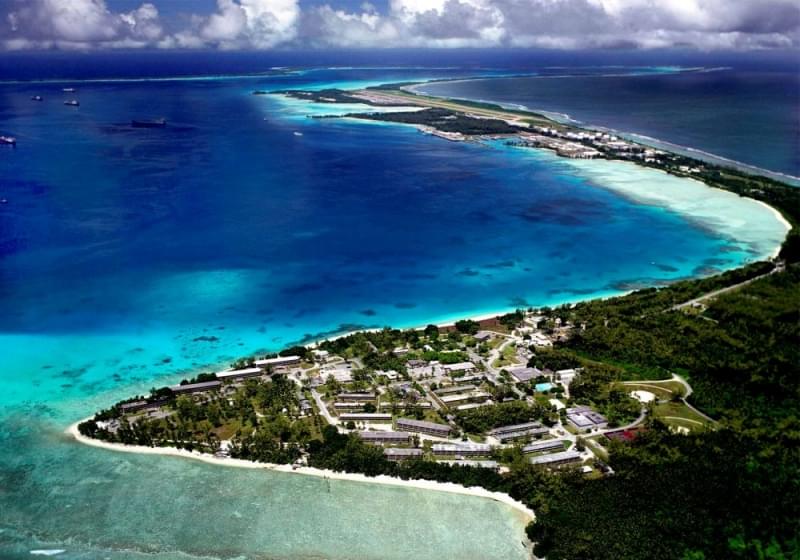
x=482, y=336
x=461, y=367
x=348, y=406
x=196, y=387
x=236, y=374
x=468, y=379
x=423, y=427
x=391, y=374
x=306, y=407
x=454, y=389
x=524, y=374
x=365, y=417
x=136, y=406
x=401, y=453
x=519, y=431
x=566, y=375
x=461, y=398
x=280, y=361
x=380, y=437
x=466, y=449
x=557, y=459
x=548, y=445
x=340, y=372
x=356, y=397
x=584, y=418
x=425, y=405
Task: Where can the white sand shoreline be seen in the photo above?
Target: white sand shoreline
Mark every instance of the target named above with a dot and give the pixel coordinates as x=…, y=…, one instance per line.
x=526, y=513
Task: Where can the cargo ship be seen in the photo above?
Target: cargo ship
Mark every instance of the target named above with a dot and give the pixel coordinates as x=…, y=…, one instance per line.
x=156, y=123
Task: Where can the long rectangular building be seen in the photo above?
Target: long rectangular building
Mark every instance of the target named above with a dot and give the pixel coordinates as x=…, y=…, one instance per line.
x=239, y=373
x=280, y=361
x=351, y=406
x=401, y=453
x=454, y=389
x=556, y=459
x=519, y=431
x=365, y=417
x=549, y=445
x=515, y=428
x=464, y=397
x=423, y=427
x=400, y=405
x=196, y=387
x=380, y=437
x=461, y=449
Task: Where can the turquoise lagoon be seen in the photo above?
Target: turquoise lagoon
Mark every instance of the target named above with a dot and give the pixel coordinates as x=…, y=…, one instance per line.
x=130, y=258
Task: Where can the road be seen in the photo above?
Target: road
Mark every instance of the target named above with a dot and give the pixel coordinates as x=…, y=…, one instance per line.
x=322, y=408
x=780, y=267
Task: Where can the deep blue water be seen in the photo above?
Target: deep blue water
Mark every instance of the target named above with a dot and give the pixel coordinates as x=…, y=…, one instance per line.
x=129, y=257
x=748, y=115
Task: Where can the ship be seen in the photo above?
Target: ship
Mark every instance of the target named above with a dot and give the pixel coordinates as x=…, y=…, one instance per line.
x=68, y=90
x=37, y=98
x=8, y=140
x=72, y=103
x=156, y=123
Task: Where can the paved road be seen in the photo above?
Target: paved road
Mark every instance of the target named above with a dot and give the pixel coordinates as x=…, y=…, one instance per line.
x=322, y=408
x=780, y=267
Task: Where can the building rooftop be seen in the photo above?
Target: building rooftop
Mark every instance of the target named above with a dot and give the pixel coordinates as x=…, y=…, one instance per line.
x=279, y=361
x=515, y=428
x=543, y=446
x=563, y=457
x=196, y=386
x=523, y=374
x=422, y=424
x=401, y=452
x=238, y=372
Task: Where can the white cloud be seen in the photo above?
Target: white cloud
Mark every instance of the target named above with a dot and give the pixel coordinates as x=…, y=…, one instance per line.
x=265, y=24
x=251, y=23
x=77, y=24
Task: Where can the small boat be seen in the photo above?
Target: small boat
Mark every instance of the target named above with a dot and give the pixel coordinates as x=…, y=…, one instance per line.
x=37, y=98
x=72, y=103
x=8, y=140
x=157, y=123
x=298, y=133
x=68, y=90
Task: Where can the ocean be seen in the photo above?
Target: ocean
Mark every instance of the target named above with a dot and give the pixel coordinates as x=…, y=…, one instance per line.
x=131, y=257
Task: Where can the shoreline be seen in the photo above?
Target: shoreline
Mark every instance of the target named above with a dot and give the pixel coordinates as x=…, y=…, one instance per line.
x=525, y=513
x=566, y=119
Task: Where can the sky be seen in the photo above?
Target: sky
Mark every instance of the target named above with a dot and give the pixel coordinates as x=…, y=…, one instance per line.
x=705, y=25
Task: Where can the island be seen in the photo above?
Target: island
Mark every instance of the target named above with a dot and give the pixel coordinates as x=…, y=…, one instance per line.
x=611, y=424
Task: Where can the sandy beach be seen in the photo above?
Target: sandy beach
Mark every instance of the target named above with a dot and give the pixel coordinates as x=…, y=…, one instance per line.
x=450, y=487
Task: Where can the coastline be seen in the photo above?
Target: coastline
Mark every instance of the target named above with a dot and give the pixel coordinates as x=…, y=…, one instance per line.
x=526, y=514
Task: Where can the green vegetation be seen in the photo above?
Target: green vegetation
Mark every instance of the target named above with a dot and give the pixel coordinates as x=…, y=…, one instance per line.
x=444, y=120
x=722, y=493
x=479, y=420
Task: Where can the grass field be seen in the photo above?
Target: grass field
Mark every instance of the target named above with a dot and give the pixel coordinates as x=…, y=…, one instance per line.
x=679, y=415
